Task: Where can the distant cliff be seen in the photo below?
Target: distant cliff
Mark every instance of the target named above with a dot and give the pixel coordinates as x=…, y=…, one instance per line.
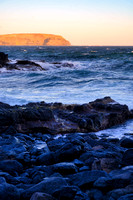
x=33, y=40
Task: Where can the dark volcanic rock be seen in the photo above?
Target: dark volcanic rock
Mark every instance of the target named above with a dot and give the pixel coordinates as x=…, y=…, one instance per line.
x=58, y=118
x=81, y=196
x=75, y=166
x=120, y=193
x=95, y=194
x=68, y=152
x=4, y=105
x=128, y=157
x=9, y=178
x=3, y=58
x=126, y=197
x=9, y=192
x=10, y=147
x=67, y=193
x=26, y=62
x=86, y=178
x=127, y=143
x=19, y=65
x=48, y=185
x=116, y=179
x=41, y=196
x=101, y=159
x=29, y=65
x=56, y=144
x=46, y=159
x=64, y=168
x=25, y=120
x=11, y=166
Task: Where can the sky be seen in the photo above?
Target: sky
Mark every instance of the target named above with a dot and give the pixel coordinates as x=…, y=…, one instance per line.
x=82, y=22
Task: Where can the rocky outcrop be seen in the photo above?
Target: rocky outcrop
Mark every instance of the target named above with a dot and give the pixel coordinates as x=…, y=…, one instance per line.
x=39, y=165
x=27, y=65
x=3, y=59
x=33, y=40
x=57, y=118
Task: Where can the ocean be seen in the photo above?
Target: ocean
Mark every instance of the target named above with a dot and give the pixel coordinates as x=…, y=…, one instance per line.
x=72, y=75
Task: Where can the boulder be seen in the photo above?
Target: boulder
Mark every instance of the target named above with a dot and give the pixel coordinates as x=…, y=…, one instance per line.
x=56, y=144
x=84, y=168
x=9, y=178
x=11, y=147
x=68, y=152
x=67, y=193
x=65, y=168
x=126, y=143
x=13, y=167
x=46, y=159
x=41, y=196
x=3, y=58
x=78, y=163
x=81, y=196
x=38, y=177
x=48, y=186
x=9, y=192
x=86, y=178
x=109, y=164
x=127, y=157
x=95, y=194
x=2, y=180
x=120, y=193
x=116, y=179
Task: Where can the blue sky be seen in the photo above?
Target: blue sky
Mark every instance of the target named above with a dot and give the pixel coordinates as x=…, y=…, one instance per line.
x=84, y=22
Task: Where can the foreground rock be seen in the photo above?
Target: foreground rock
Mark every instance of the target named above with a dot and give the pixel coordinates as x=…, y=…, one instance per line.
x=76, y=166
x=9, y=192
x=57, y=118
x=35, y=163
x=49, y=186
x=41, y=196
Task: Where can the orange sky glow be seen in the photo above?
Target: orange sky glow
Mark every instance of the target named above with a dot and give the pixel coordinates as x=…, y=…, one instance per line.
x=81, y=22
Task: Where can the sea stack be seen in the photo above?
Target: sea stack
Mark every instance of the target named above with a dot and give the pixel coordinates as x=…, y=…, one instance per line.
x=33, y=40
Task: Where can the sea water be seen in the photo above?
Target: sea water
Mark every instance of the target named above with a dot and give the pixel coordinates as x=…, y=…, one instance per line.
x=71, y=75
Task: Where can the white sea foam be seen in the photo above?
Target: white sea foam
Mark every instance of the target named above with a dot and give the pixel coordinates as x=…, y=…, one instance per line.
x=123, y=130
x=69, y=77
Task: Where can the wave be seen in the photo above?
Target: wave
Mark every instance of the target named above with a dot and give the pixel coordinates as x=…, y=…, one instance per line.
x=34, y=65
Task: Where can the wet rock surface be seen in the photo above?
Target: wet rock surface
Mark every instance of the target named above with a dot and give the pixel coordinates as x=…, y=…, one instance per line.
x=36, y=163
x=55, y=118
x=19, y=65
x=82, y=167
x=27, y=65
x=3, y=59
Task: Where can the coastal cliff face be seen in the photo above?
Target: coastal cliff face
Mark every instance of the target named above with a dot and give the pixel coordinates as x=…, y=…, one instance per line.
x=33, y=40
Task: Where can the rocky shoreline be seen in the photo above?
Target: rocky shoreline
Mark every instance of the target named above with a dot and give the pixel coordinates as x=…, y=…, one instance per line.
x=58, y=118
x=27, y=65
x=47, y=152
